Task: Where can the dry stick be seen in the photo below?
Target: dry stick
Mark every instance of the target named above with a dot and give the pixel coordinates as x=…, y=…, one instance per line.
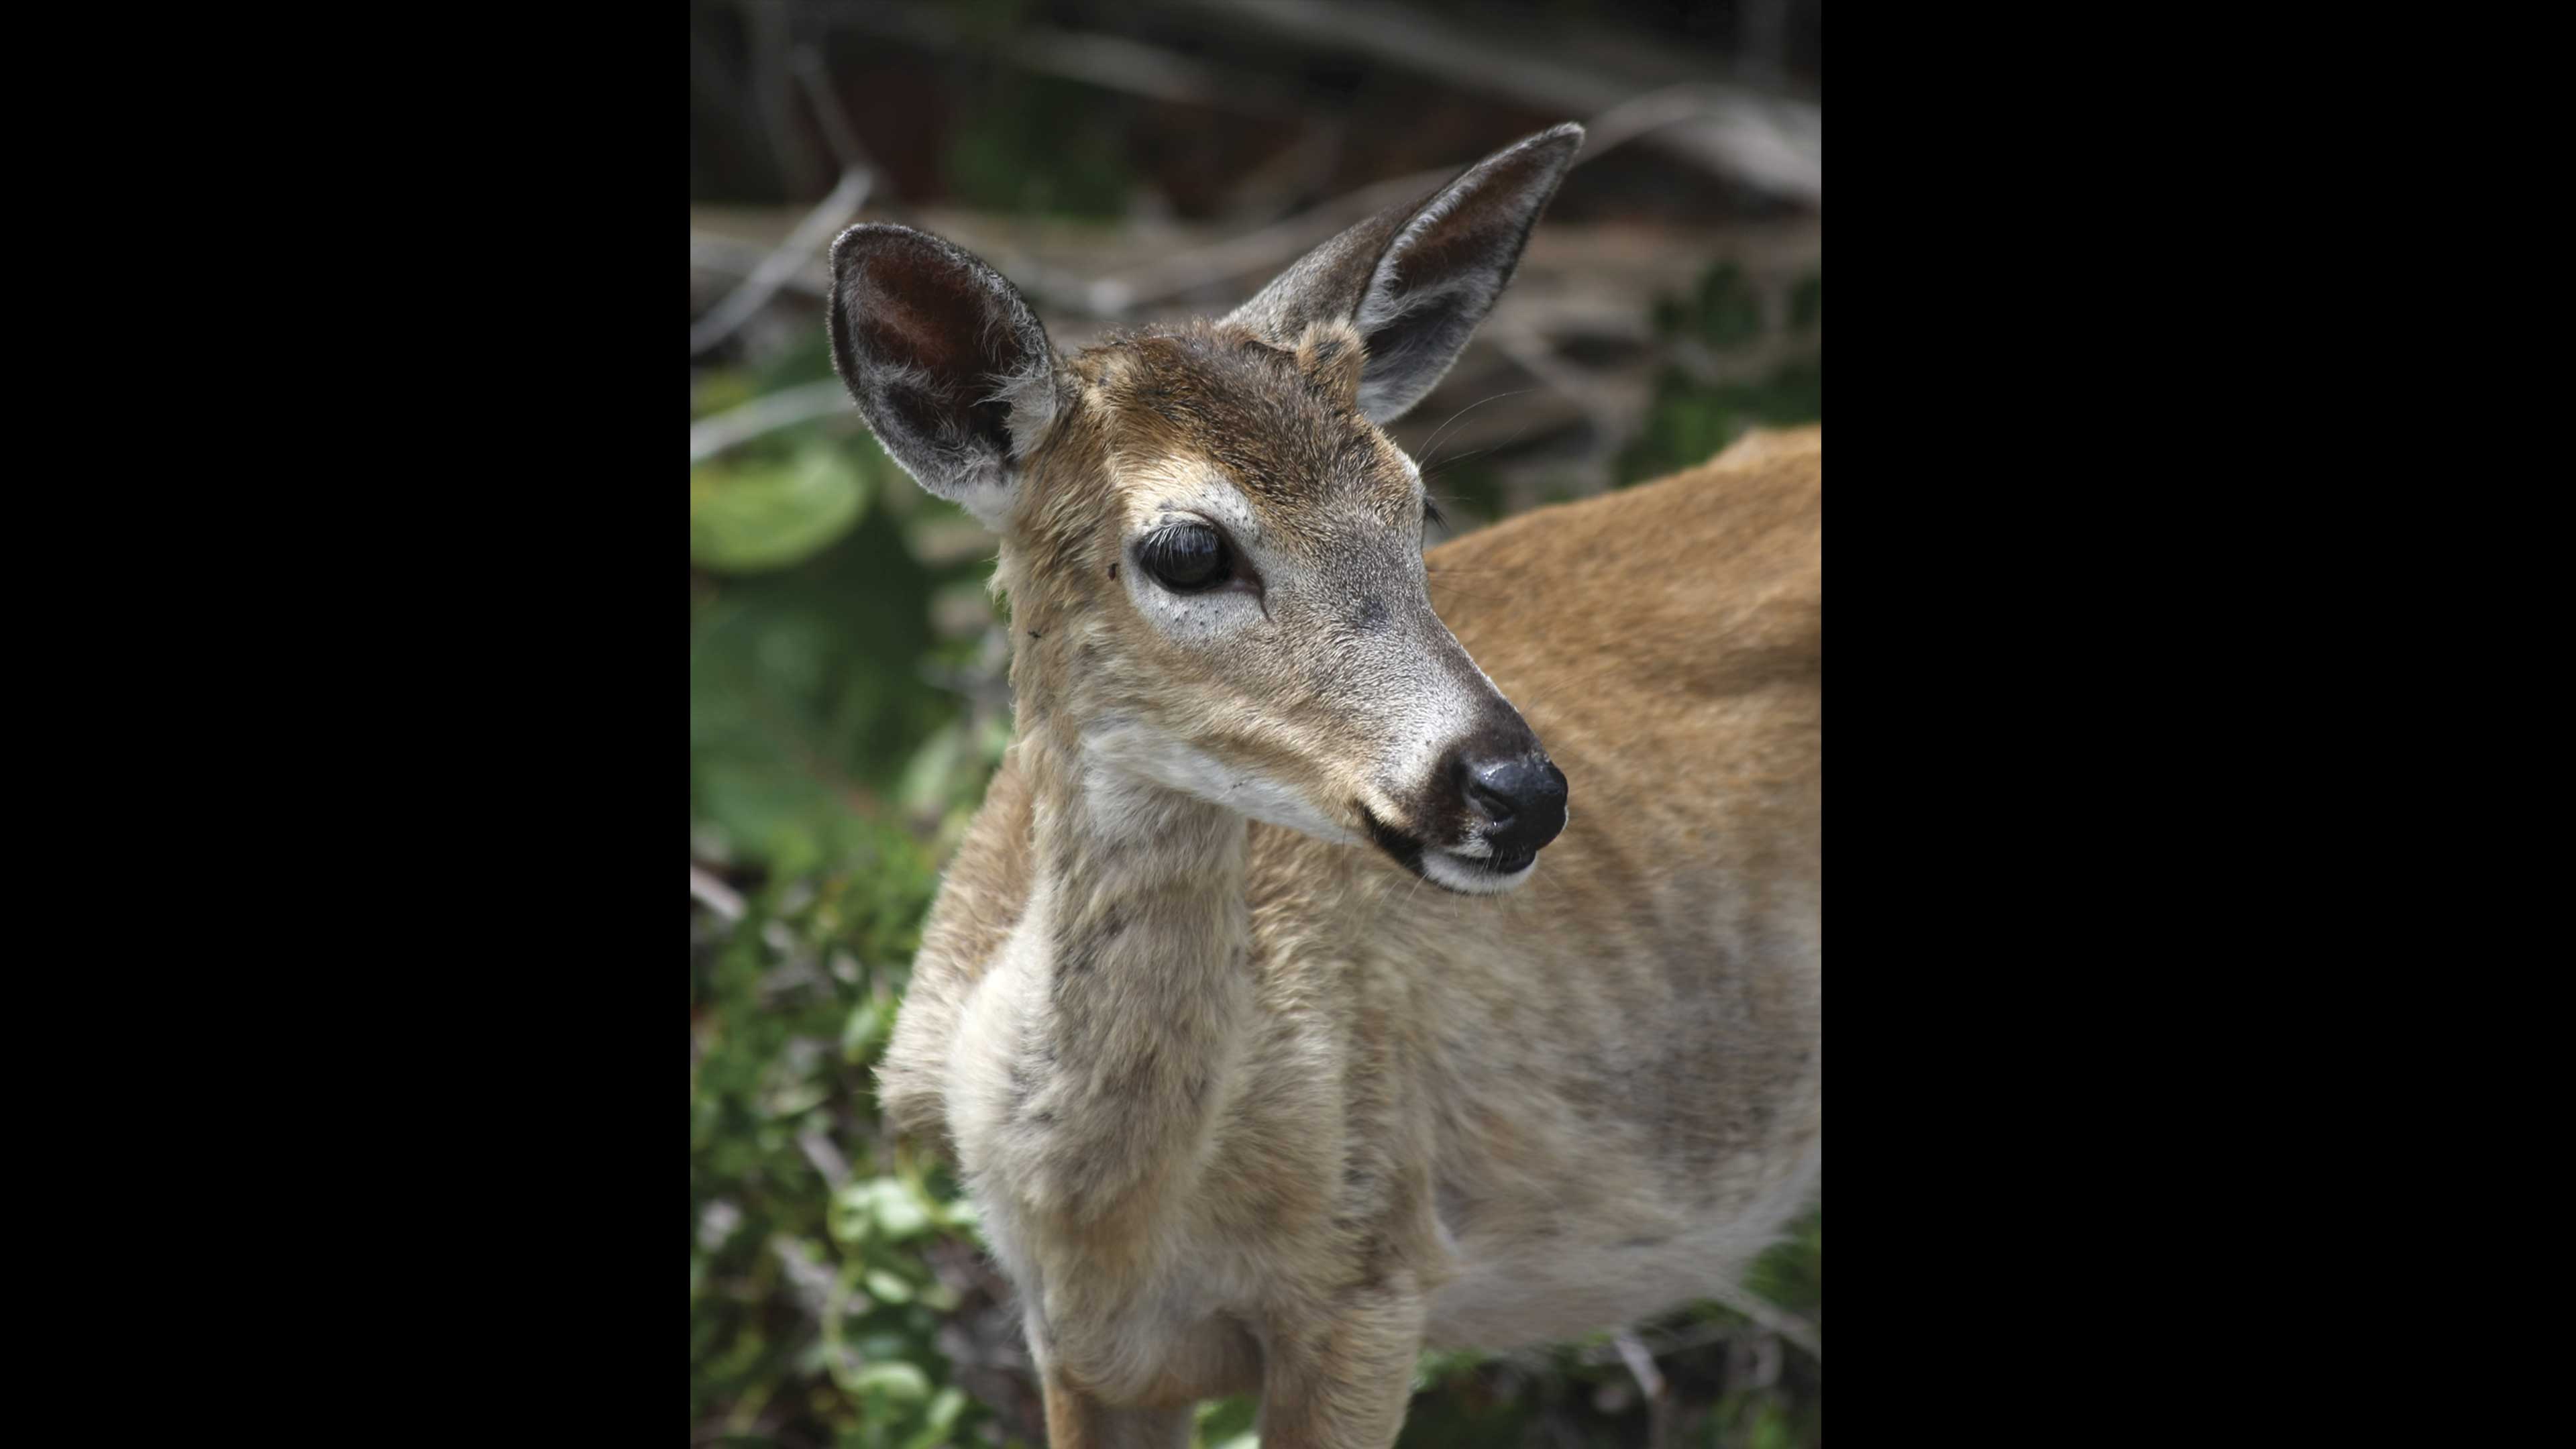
x=1611, y=424
x=1268, y=247
x=1779, y=1320
x=1659, y=1405
x=779, y=266
x=1785, y=1326
x=713, y=252
x=1272, y=245
x=714, y=894
x=710, y=436
x=837, y=133
x=1114, y=63
x=767, y=25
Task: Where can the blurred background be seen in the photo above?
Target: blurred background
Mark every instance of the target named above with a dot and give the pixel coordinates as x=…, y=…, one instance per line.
x=1124, y=163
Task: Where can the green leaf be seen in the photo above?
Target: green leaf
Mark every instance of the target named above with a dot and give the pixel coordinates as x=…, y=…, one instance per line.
x=752, y=517
x=889, y=1205
x=899, y=1382
x=1228, y=1423
x=942, y=1419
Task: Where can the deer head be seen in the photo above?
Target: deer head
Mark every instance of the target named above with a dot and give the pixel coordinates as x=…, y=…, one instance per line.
x=1213, y=554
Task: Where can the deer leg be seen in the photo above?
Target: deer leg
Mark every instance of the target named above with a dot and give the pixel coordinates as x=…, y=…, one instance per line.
x=1076, y=1420
x=1345, y=1384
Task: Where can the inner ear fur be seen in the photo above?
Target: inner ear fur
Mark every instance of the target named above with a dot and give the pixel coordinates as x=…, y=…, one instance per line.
x=945, y=359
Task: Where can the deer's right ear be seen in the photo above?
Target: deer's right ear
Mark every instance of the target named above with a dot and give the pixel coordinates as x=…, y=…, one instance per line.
x=1416, y=280
x=947, y=362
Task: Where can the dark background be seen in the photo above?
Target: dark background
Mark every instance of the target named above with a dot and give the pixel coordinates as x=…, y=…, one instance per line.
x=1127, y=163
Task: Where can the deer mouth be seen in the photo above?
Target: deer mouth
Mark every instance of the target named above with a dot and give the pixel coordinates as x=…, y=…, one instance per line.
x=1487, y=873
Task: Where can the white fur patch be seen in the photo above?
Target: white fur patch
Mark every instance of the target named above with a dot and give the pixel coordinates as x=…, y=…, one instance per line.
x=1127, y=751
x=1444, y=867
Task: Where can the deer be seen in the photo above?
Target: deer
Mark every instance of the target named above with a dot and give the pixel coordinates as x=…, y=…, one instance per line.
x=1267, y=1047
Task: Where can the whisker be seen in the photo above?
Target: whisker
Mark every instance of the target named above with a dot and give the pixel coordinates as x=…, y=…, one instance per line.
x=1430, y=447
x=1517, y=435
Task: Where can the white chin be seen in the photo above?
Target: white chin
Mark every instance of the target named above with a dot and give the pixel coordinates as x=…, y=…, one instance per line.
x=1474, y=877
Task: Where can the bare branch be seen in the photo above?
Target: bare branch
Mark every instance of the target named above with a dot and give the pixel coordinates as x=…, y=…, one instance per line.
x=1269, y=247
x=1659, y=1404
x=781, y=265
x=827, y=1159
x=835, y=122
x=1176, y=276
x=714, y=894
x=784, y=409
x=1779, y=1320
x=709, y=251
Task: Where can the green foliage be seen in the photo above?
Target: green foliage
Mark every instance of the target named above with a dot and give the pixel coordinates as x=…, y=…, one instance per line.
x=813, y=1309
x=753, y=517
x=1694, y=418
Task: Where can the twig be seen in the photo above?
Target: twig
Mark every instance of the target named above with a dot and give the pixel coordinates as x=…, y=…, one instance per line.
x=781, y=265
x=827, y=1159
x=767, y=24
x=1612, y=424
x=784, y=409
x=1659, y=1404
x=1176, y=276
x=709, y=251
x=835, y=122
x=1779, y=1320
x=714, y=894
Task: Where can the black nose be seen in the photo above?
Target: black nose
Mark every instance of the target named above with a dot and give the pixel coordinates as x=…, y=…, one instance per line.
x=1521, y=796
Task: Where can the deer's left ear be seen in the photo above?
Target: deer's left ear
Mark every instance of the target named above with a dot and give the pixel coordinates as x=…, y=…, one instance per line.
x=1416, y=280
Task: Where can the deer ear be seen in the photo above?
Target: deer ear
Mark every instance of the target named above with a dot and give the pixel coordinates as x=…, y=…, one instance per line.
x=1416, y=280
x=948, y=364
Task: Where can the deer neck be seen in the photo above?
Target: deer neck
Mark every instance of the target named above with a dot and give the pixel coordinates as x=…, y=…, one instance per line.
x=1136, y=941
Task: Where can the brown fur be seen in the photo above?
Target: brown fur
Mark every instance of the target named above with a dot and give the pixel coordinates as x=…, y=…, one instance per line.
x=1298, y=1064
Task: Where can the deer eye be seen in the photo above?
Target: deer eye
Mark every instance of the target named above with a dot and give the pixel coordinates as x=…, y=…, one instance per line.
x=1185, y=558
